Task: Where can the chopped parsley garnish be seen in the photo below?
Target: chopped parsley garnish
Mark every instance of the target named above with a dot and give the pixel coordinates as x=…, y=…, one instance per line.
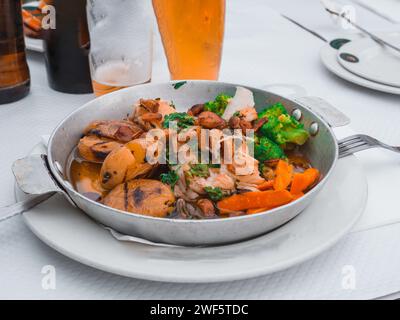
x=170, y=178
x=215, y=194
x=182, y=119
x=199, y=170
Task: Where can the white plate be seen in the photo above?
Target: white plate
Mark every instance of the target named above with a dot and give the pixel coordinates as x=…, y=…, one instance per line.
x=329, y=59
x=370, y=60
x=321, y=225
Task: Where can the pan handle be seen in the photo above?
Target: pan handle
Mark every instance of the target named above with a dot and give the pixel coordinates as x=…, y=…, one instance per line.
x=325, y=110
x=33, y=177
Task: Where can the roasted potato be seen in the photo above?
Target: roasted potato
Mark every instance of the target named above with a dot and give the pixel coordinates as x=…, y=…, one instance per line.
x=142, y=196
x=138, y=148
x=120, y=130
x=96, y=149
x=115, y=167
x=140, y=168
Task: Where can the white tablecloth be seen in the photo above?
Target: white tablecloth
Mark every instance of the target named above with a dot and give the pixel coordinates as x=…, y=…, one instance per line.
x=260, y=48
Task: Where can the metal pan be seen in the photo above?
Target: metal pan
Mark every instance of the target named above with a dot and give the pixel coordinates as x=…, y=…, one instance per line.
x=40, y=175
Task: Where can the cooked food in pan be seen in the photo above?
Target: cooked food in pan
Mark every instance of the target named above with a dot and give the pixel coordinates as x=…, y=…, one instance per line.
x=219, y=159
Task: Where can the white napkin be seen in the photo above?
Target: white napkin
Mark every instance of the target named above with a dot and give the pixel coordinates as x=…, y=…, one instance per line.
x=382, y=168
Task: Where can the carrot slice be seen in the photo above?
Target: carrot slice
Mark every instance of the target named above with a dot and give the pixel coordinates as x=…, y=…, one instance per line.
x=256, y=199
x=284, y=173
x=302, y=181
x=266, y=185
x=297, y=195
x=257, y=210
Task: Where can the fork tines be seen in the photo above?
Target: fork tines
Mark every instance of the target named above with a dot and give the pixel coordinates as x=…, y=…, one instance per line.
x=353, y=144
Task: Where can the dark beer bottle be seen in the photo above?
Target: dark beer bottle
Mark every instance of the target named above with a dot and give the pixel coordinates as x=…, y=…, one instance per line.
x=14, y=71
x=67, y=48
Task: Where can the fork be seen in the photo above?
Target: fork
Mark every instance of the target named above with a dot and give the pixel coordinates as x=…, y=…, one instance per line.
x=361, y=142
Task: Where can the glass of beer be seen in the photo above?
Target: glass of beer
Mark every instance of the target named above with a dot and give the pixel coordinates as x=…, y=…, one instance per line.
x=192, y=33
x=120, y=43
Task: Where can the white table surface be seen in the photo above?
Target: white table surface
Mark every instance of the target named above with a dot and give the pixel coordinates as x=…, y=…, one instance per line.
x=260, y=48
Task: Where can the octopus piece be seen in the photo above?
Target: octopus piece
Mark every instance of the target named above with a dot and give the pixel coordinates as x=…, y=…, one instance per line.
x=245, y=125
x=165, y=108
x=151, y=105
x=234, y=122
x=96, y=149
x=211, y=120
x=249, y=182
x=196, y=110
x=152, y=117
x=186, y=210
x=150, y=113
x=216, y=180
x=259, y=123
x=237, y=122
x=248, y=177
x=268, y=173
x=207, y=207
x=249, y=114
x=142, y=196
x=120, y=130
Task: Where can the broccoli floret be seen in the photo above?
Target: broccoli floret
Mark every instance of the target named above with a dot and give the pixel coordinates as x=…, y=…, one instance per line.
x=291, y=131
x=273, y=111
x=282, y=127
x=170, y=178
x=182, y=118
x=215, y=194
x=265, y=149
x=218, y=106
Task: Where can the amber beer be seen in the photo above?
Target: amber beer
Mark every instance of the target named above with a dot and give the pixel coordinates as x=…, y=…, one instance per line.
x=14, y=72
x=109, y=76
x=102, y=88
x=192, y=32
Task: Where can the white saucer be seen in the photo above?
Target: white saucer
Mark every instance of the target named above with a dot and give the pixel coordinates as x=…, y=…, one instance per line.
x=321, y=225
x=329, y=58
x=370, y=60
